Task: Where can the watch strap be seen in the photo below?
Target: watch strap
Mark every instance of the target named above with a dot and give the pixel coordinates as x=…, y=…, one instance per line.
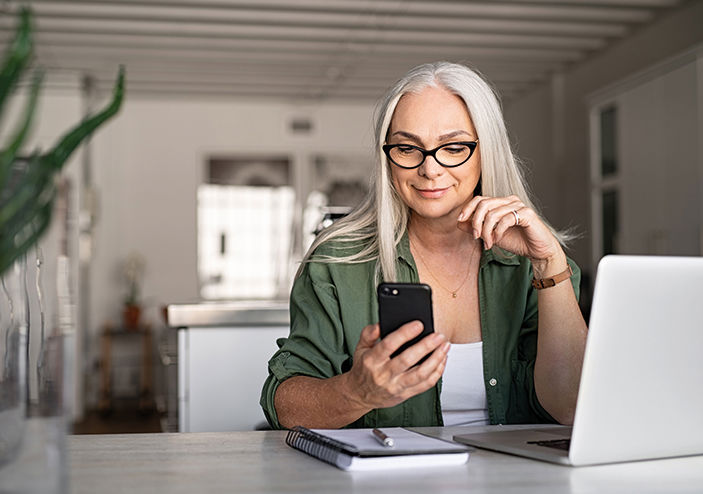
x=542, y=283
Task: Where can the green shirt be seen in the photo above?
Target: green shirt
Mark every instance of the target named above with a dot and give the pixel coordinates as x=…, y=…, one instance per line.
x=331, y=303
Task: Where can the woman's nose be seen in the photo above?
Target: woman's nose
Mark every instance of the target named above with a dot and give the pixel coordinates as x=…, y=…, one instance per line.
x=430, y=168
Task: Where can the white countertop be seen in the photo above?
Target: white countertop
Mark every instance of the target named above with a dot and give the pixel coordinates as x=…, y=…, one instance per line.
x=229, y=313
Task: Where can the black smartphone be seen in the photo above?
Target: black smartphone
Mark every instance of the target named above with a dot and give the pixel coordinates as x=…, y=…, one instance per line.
x=399, y=303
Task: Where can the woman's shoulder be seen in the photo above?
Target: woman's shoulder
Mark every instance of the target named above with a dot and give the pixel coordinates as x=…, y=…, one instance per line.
x=340, y=250
x=332, y=268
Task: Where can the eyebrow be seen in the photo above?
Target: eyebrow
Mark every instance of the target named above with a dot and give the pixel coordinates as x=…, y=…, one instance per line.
x=443, y=137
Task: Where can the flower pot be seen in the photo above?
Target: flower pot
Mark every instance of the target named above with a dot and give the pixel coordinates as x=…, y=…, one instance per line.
x=131, y=315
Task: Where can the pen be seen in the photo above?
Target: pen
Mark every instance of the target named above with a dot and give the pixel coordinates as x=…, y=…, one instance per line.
x=383, y=439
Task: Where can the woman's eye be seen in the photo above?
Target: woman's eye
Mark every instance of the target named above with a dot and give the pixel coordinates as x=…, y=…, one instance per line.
x=405, y=149
x=455, y=149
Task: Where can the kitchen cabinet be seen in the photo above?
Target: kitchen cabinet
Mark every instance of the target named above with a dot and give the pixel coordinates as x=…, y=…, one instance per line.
x=223, y=350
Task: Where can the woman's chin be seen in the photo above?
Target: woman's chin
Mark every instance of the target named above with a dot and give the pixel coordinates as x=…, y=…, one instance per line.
x=436, y=212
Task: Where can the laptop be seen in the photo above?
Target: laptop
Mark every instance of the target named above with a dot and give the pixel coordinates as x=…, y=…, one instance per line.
x=641, y=391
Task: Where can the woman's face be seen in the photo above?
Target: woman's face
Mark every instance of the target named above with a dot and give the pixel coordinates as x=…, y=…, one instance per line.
x=428, y=119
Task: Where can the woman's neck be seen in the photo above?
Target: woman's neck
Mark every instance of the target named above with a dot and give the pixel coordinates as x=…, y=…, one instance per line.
x=438, y=234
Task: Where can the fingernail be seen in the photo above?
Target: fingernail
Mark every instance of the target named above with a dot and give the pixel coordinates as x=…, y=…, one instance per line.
x=446, y=347
x=475, y=234
x=462, y=216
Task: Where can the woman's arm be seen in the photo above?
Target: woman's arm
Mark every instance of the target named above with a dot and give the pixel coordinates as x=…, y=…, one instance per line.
x=374, y=381
x=561, y=342
x=561, y=335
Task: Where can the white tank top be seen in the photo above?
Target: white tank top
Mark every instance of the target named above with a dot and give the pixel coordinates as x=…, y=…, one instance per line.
x=463, y=396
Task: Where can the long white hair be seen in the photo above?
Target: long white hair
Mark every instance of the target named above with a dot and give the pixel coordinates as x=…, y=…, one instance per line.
x=376, y=226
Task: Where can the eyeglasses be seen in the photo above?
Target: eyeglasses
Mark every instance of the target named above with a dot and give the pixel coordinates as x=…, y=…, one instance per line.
x=448, y=155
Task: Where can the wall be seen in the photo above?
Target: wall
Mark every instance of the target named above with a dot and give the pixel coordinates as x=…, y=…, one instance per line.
x=150, y=163
x=148, y=166
x=560, y=108
x=660, y=165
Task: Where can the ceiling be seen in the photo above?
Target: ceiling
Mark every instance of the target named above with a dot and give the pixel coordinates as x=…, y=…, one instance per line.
x=318, y=49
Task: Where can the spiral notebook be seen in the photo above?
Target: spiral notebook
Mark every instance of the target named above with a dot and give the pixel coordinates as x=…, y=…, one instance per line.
x=358, y=449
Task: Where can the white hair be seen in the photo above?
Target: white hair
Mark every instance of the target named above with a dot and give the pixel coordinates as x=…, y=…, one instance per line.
x=376, y=226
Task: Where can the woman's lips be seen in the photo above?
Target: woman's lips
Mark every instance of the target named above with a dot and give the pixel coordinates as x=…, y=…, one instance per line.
x=432, y=193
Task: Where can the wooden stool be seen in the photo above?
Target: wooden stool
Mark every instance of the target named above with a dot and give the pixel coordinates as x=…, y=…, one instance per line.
x=146, y=401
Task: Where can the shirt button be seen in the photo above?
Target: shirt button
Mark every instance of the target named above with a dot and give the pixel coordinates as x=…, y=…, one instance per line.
x=493, y=381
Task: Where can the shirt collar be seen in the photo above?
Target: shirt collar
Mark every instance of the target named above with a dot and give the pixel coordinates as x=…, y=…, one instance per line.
x=404, y=253
x=496, y=254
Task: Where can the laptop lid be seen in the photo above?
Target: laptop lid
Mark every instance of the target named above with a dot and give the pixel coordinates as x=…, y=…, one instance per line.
x=640, y=394
x=641, y=385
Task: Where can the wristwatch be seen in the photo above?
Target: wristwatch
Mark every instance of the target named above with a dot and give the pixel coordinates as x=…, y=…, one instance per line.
x=542, y=283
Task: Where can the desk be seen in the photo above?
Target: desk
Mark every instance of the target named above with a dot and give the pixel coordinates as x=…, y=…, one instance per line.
x=261, y=462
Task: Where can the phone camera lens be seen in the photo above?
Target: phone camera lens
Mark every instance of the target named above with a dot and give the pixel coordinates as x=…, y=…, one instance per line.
x=395, y=292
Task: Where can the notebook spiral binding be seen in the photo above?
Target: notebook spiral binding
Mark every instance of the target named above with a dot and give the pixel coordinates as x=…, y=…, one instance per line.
x=316, y=445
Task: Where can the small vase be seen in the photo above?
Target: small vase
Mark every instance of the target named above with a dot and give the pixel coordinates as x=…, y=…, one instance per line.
x=131, y=315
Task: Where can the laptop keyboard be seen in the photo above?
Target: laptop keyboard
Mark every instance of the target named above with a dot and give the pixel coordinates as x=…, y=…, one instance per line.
x=553, y=443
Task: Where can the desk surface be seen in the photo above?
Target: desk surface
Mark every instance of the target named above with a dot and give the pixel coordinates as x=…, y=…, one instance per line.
x=261, y=462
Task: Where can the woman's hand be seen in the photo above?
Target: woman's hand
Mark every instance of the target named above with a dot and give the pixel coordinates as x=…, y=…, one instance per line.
x=495, y=220
x=377, y=381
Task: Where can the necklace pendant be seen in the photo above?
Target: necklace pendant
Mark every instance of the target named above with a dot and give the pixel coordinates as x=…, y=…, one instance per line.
x=454, y=294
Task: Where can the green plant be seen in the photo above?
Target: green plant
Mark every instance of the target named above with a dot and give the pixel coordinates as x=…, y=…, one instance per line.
x=133, y=269
x=27, y=185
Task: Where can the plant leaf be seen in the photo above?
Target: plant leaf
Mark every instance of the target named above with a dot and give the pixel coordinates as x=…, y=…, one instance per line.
x=17, y=56
x=33, y=230
x=70, y=141
x=8, y=155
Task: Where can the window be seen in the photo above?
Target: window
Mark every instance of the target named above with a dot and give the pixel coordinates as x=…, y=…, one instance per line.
x=605, y=181
x=608, y=142
x=255, y=222
x=610, y=221
x=245, y=218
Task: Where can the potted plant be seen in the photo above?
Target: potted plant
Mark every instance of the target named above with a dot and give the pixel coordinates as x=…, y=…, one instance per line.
x=28, y=189
x=132, y=311
x=27, y=192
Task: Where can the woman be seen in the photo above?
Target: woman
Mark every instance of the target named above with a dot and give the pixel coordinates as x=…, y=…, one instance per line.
x=448, y=208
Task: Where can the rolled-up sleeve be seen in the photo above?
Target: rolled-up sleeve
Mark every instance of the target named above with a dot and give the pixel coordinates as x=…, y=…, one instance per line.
x=315, y=346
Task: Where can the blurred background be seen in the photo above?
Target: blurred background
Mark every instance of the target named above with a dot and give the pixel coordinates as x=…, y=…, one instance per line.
x=248, y=124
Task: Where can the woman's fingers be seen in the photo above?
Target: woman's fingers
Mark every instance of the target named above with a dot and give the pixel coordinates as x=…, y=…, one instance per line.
x=397, y=338
x=420, y=378
x=490, y=211
x=381, y=381
x=510, y=220
x=479, y=208
x=428, y=382
x=469, y=208
x=412, y=355
x=494, y=217
x=369, y=336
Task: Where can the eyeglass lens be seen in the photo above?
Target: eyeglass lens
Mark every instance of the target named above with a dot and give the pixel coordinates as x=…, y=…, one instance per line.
x=453, y=154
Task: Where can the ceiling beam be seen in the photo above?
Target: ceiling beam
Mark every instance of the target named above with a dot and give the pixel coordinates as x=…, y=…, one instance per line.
x=577, y=11
x=255, y=17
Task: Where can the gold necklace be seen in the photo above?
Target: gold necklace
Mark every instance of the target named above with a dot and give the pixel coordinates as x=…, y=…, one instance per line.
x=466, y=277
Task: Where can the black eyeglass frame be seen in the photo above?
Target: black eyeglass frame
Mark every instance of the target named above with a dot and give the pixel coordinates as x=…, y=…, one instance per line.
x=472, y=145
